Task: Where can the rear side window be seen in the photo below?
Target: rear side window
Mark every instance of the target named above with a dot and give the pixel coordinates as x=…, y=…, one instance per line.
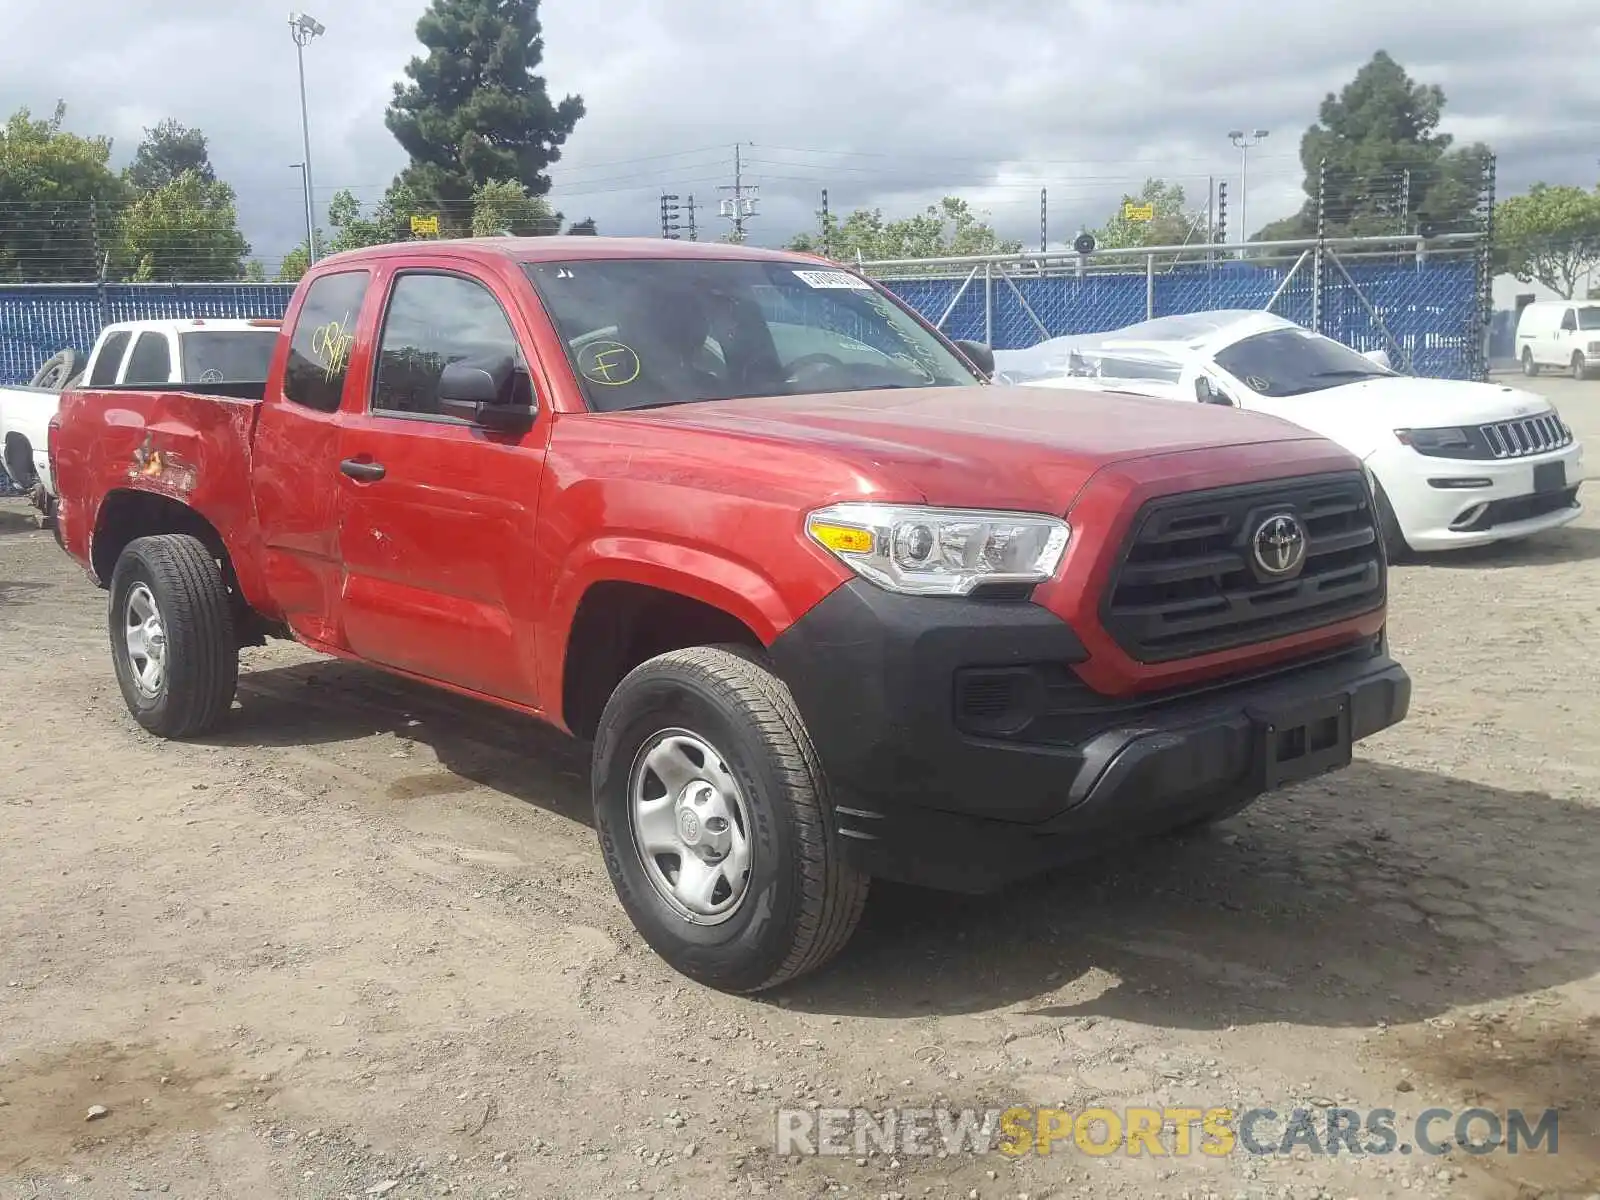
x=231, y=356
x=324, y=332
x=108, y=360
x=151, y=361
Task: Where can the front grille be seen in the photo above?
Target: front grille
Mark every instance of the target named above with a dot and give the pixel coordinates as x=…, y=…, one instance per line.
x=1189, y=583
x=1520, y=438
x=1529, y=435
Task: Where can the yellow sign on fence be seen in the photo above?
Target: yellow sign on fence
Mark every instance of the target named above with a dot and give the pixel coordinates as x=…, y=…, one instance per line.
x=1138, y=212
x=421, y=225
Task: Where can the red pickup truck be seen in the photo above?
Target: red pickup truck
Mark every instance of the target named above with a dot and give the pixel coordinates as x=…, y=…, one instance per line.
x=828, y=604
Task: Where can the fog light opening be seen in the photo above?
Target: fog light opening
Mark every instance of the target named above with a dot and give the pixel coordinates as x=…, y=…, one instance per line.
x=1470, y=516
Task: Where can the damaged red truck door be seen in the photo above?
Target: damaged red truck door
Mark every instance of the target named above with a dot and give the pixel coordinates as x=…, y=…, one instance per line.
x=434, y=521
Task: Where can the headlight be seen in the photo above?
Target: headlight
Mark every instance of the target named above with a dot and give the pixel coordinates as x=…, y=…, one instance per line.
x=1449, y=437
x=940, y=552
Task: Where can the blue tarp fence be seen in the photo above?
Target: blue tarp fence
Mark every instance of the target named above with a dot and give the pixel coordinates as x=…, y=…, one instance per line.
x=1431, y=309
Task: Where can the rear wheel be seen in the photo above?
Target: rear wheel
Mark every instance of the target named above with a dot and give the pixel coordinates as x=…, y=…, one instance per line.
x=1580, y=366
x=1529, y=367
x=172, y=636
x=715, y=822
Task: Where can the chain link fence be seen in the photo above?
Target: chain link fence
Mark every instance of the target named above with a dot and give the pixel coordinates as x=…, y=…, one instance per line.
x=37, y=320
x=1418, y=300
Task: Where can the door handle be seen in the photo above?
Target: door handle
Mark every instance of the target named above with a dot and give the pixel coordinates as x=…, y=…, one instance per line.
x=369, y=472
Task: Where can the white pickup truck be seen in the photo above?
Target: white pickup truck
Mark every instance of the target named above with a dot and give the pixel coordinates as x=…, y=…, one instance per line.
x=131, y=354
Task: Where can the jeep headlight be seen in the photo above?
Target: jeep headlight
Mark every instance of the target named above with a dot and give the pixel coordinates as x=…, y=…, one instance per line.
x=938, y=551
x=1435, y=441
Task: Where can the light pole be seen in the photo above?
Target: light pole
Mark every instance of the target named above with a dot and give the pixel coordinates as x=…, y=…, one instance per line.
x=303, y=28
x=301, y=167
x=1239, y=139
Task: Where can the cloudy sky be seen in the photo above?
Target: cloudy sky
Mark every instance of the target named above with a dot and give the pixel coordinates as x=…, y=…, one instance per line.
x=887, y=103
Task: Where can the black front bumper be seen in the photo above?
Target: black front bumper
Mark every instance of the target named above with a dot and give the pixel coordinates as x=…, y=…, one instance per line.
x=963, y=751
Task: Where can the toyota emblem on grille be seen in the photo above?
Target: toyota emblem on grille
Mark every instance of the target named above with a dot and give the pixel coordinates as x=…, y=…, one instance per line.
x=1279, y=545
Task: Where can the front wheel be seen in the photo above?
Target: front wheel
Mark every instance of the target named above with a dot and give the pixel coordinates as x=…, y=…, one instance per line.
x=172, y=637
x=1395, y=547
x=714, y=818
x=1580, y=366
x=1529, y=367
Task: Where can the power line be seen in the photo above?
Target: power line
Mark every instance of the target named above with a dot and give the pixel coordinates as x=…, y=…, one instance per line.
x=741, y=205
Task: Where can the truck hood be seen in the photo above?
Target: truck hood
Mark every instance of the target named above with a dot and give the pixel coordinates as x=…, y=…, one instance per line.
x=996, y=446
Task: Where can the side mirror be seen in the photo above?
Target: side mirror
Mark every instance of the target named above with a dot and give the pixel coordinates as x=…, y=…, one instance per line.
x=979, y=356
x=483, y=393
x=1207, y=394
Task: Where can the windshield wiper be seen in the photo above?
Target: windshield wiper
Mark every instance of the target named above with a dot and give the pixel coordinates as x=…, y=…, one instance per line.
x=1344, y=373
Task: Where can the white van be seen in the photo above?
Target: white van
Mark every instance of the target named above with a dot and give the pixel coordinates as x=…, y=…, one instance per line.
x=1562, y=334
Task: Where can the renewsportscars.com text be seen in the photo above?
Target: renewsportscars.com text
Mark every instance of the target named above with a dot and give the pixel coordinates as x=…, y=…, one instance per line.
x=1162, y=1132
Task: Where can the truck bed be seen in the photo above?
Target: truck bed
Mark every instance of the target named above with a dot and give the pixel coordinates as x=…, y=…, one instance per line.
x=230, y=390
x=189, y=445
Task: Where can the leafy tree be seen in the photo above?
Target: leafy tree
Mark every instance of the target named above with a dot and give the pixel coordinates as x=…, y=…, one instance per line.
x=583, y=228
x=474, y=111
x=389, y=221
x=168, y=150
x=297, y=262
x=1551, y=234
x=255, y=272
x=354, y=227
x=59, y=196
x=505, y=206
x=185, y=229
x=940, y=231
x=1171, y=224
x=1380, y=126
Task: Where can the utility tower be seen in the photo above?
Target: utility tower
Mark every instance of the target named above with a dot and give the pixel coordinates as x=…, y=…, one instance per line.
x=741, y=204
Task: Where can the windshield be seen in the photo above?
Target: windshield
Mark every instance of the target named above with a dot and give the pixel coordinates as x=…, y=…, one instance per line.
x=1294, y=362
x=236, y=356
x=1589, y=318
x=647, y=332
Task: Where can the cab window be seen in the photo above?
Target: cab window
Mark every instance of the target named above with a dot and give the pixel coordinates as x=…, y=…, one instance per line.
x=434, y=320
x=324, y=332
x=151, y=360
x=109, y=359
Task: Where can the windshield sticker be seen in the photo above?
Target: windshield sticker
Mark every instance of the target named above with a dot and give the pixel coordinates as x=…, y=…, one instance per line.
x=610, y=364
x=1257, y=383
x=833, y=279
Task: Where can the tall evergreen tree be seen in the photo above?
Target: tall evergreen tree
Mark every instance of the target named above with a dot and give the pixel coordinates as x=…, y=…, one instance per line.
x=474, y=111
x=1380, y=126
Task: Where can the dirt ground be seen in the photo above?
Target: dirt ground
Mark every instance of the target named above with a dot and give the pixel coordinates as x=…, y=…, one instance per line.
x=363, y=943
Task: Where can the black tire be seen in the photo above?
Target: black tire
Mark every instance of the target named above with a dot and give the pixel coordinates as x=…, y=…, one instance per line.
x=803, y=900
x=1529, y=367
x=17, y=456
x=201, y=656
x=1580, y=365
x=1395, y=547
